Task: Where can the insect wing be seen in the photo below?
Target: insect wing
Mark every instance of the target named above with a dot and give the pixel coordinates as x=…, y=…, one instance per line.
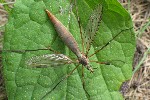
x=92, y=26
x=47, y=60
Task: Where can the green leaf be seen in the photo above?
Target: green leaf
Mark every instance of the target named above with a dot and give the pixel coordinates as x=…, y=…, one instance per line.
x=29, y=28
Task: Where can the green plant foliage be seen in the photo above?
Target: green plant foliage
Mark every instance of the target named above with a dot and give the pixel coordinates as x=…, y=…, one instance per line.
x=6, y=7
x=29, y=28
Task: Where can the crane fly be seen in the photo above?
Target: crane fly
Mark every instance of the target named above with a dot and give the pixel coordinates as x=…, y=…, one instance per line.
x=55, y=59
x=70, y=42
x=87, y=38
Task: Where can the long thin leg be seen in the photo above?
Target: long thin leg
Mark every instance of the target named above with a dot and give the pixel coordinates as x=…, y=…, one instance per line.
x=64, y=78
x=108, y=42
x=83, y=82
x=81, y=34
x=23, y=51
x=106, y=63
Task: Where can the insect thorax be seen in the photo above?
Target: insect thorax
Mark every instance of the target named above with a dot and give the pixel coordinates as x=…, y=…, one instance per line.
x=85, y=62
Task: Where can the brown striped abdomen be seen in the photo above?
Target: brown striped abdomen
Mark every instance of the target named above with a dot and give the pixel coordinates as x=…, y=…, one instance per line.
x=65, y=35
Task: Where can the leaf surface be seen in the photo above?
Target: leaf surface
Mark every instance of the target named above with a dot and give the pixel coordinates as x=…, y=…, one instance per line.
x=29, y=28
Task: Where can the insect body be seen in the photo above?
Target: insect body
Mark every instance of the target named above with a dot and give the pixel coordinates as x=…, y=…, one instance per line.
x=47, y=81
x=69, y=40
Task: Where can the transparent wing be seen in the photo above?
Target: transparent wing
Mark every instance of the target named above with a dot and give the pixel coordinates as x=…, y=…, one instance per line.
x=92, y=26
x=48, y=60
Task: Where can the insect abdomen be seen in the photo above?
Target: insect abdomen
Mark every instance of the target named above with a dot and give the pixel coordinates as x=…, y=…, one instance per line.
x=65, y=35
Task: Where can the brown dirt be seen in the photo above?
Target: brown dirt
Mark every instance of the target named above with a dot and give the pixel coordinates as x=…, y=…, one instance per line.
x=138, y=88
